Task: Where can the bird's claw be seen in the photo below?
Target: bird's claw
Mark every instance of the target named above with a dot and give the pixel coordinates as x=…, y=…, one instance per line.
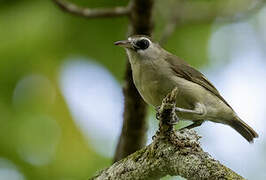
x=158, y=112
x=173, y=120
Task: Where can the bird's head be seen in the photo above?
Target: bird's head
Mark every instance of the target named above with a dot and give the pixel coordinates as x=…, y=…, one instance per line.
x=141, y=47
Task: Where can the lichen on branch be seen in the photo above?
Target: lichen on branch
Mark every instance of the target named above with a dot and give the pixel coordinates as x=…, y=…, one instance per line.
x=175, y=153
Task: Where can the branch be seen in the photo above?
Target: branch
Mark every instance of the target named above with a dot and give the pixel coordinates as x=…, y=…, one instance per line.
x=92, y=13
x=171, y=153
x=133, y=134
x=202, y=12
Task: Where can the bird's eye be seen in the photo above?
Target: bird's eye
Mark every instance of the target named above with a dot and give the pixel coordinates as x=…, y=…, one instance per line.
x=142, y=44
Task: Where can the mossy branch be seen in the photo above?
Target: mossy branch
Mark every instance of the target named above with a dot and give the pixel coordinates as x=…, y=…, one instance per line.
x=175, y=153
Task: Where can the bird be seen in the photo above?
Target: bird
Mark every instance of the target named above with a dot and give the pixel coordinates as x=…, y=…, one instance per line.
x=156, y=72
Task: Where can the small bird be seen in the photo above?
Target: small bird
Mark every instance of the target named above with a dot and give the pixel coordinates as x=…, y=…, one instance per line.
x=157, y=72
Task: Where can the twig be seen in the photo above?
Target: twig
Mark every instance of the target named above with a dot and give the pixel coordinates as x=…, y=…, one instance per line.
x=171, y=153
x=195, y=13
x=168, y=31
x=92, y=13
x=172, y=23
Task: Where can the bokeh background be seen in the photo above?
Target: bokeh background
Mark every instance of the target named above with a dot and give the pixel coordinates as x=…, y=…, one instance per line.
x=61, y=101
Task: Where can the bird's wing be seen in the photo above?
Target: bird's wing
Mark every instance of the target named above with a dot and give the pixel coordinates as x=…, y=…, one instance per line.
x=184, y=70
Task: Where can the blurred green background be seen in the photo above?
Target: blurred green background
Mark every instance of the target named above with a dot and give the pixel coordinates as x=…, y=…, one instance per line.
x=45, y=55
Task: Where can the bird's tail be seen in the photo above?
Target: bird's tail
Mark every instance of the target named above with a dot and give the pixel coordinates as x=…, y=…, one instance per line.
x=245, y=130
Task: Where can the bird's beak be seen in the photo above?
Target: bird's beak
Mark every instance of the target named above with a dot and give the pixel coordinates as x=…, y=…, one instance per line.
x=124, y=43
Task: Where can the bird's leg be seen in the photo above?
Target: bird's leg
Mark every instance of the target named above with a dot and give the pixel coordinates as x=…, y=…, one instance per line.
x=198, y=110
x=193, y=125
x=177, y=109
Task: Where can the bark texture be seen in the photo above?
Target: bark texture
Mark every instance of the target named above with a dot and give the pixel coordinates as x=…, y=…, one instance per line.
x=175, y=153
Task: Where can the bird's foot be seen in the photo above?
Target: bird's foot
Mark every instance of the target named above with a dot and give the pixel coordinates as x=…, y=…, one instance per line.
x=174, y=120
x=157, y=115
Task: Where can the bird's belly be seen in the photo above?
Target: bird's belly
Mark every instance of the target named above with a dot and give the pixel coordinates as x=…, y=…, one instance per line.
x=154, y=87
x=154, y=92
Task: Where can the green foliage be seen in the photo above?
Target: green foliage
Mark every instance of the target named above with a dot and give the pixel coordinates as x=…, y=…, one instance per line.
x=190, y=43
x=36, y=37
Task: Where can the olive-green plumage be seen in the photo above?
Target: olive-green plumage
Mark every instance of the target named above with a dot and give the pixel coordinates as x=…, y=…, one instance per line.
x=156, y=72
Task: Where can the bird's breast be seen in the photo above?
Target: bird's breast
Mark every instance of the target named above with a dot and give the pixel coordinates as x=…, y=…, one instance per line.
x=152, y=84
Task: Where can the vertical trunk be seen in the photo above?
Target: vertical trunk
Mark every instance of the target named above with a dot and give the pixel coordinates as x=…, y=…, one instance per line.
x=133, y=134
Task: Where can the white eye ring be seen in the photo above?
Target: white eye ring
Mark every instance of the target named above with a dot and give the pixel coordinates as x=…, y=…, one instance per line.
x=141, y=44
